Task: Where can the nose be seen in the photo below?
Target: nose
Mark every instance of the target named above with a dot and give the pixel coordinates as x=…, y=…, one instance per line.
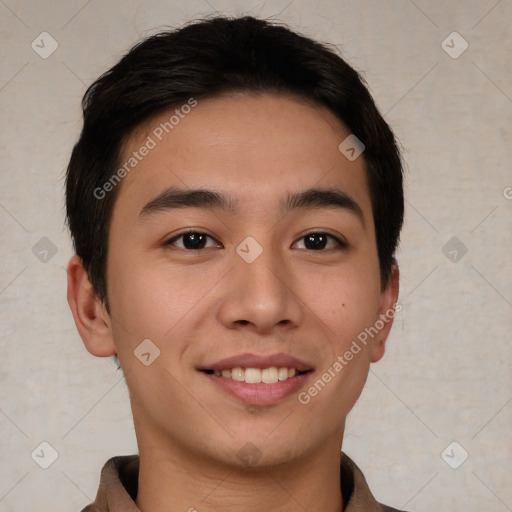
x=261, y=296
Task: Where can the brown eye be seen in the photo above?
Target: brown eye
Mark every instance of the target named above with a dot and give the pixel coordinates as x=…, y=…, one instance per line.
x=319, y=241
x=191, y=240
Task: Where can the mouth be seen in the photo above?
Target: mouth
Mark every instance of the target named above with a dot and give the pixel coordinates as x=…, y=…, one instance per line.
x=258, y=380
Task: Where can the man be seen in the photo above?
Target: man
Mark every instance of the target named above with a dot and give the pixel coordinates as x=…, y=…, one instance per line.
x=235, y=201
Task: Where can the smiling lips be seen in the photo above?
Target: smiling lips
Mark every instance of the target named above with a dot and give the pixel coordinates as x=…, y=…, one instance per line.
x=258, y=379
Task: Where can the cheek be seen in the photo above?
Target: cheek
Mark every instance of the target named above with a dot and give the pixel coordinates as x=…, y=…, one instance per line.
x=346, y=302
x=162, y=303
x=150, y=299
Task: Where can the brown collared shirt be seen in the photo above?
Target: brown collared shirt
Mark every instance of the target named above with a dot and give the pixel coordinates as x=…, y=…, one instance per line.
x=119, y=484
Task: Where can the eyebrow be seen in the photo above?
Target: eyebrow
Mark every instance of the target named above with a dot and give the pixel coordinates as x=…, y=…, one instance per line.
x=173, y=198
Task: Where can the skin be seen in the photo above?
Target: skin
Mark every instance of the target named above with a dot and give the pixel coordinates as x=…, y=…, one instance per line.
x=203, y=306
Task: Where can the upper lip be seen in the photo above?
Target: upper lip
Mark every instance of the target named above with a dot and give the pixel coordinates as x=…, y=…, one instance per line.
x=248, y=360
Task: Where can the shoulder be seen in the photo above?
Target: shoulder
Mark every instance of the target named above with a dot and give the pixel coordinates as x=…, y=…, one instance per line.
x=118, y=485
x=360, y=498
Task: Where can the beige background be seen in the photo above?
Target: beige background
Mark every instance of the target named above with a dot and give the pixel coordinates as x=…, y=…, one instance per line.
x=447, y=372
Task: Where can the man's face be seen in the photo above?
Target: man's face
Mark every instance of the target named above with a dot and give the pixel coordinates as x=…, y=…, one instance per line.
x=211, y=296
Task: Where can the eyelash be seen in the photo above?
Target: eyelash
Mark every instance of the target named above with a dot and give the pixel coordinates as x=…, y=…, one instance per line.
x=342, y=244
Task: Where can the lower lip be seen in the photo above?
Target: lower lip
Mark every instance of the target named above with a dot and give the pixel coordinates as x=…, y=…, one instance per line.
x=261, y=393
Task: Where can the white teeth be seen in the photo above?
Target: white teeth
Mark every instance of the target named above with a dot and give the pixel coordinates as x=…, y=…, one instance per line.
x=269, y=375
x=256, y=375
x=237, y=374
x=252, y=375
x=283, y=373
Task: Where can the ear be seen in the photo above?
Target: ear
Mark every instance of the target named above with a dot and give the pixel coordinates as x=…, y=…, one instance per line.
x=91, y=318
x=386, y=314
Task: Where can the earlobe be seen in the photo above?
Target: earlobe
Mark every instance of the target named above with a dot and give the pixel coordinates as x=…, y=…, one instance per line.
x=91, y=318
x=386, y=313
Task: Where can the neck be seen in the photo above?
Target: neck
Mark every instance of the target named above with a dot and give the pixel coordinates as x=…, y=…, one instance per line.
x=173, y=479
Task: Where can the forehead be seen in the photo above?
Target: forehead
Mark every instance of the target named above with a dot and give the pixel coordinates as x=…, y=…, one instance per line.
x=255, y=147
